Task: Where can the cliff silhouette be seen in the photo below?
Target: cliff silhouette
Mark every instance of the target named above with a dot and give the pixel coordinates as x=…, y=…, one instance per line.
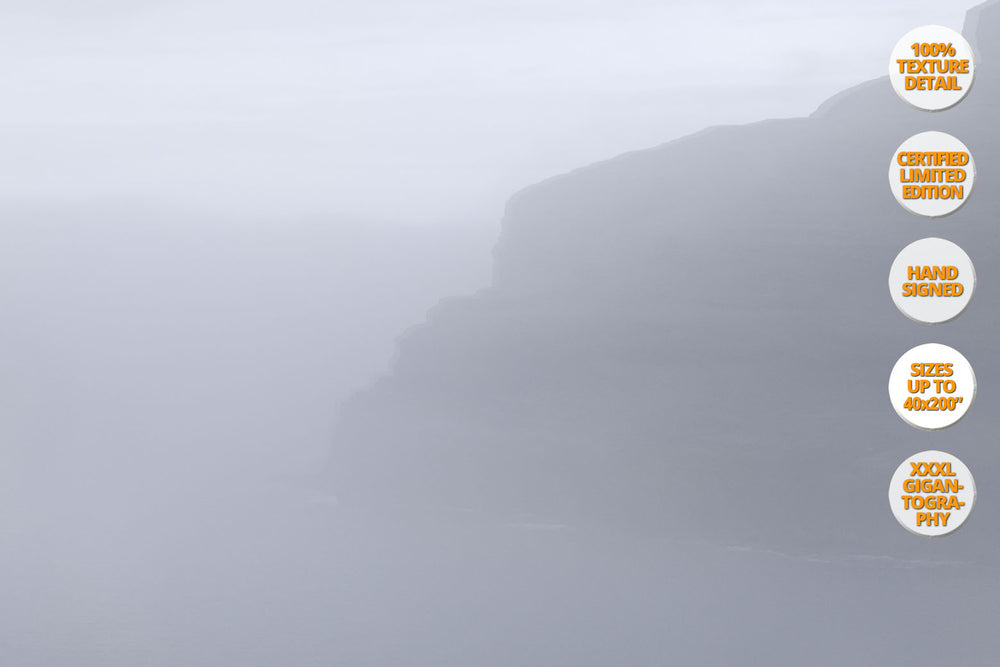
x=695, y=340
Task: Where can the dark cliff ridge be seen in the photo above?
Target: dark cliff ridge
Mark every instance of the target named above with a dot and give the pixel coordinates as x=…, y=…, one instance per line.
x=695, y=339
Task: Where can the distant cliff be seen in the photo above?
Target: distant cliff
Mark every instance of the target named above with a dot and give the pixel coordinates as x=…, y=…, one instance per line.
x=695, y=339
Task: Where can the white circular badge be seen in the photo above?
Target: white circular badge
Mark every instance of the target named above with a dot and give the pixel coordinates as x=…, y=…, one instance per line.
x=932, y=281
x=932, y=174
x=932, y=493
x=932, y=67
x=932, y=386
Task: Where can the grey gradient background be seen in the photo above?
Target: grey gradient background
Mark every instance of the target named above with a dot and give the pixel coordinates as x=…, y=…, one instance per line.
x=647, y=423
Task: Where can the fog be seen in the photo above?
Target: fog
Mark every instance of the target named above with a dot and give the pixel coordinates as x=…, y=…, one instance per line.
x=219, y=218
x=423, y=112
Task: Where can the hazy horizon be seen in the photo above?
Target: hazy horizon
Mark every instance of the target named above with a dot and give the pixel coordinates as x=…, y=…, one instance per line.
x=429, y=113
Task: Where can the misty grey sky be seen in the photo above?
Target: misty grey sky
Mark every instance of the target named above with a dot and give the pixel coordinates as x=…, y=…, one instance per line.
x=429, y=112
